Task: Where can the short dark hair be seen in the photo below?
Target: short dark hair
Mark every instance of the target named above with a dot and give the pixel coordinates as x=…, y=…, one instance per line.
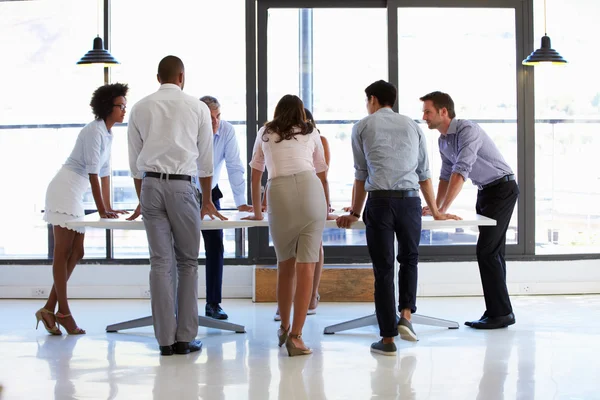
x=169, y=68
x=384, y=91
x=441, y=100
x=103, y=99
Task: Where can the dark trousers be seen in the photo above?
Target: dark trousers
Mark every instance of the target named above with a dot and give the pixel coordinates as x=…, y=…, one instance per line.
x=213, y=245
x=384, y=218
x=496, y=202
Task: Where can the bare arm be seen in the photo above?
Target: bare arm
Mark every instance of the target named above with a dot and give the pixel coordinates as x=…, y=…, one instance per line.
x=452, y=189
x=105, y=181
x=323, y=177
x=255, y=192
x=441, y=193
x=97, y=193
x=428, y=194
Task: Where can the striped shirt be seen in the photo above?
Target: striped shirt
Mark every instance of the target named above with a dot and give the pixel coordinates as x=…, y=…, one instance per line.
x=467, y=150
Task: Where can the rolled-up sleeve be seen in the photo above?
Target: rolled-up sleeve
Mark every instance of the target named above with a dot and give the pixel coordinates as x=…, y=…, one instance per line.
x=319, y=154
x=360, y=161
x=205, y=142
x=105, y=170
x=134, y=143
x=469, y=143
x=258, y=156
x=423, y=171
x=92, y=150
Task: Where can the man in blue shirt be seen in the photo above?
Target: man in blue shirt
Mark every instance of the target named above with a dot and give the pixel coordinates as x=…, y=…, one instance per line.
x=468, y=152
x=391, y=164
x=225, y=149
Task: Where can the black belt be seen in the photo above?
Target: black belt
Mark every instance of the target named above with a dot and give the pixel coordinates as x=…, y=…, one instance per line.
x=506, y=178
x=175, y=177
x=399, y=194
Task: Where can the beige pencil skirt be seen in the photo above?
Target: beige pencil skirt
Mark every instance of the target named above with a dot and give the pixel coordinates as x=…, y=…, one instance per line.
x=297, y=212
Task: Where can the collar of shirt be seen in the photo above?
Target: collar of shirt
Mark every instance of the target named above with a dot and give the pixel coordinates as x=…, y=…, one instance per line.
x=452, y=127
x=166, y=86
x=384, y=109
x=101, y=125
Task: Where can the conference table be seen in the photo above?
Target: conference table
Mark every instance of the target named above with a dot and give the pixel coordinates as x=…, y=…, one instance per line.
x=235, y=221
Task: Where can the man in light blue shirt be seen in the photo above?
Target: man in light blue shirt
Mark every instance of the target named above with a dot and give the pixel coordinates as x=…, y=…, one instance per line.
x=225, y=151
x=391, y=165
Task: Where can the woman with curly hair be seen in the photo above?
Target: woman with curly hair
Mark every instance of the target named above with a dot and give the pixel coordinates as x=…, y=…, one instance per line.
x=297, y=199
x=89, y=163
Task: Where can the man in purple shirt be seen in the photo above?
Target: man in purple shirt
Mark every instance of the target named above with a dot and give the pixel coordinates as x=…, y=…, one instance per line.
x=468, y=152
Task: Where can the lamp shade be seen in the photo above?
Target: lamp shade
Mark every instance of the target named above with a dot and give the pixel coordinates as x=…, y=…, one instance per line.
x=98, y=55
x=545, y=54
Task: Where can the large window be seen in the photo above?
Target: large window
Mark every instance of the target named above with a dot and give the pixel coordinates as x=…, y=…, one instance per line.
x=43, y=90
x=469, y=54
x=212, y=48
x=336, y=85
x=567, y=132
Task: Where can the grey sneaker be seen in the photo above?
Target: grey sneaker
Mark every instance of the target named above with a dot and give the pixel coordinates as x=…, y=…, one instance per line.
x=387, y=349
x=406, y=331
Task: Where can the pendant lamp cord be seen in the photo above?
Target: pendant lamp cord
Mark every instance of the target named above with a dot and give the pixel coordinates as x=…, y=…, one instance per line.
x=99, y=13
x=545, y=31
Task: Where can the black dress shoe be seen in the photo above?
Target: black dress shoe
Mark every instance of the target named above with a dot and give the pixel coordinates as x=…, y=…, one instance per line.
x=166, y=350
x=215, y=311
x=187, y=347
x=492, y=322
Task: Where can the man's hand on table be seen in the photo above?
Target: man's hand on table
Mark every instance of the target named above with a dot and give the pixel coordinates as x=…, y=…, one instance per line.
x=346, y=221
x=136, y=213
x=254, y=217
x=209, y=209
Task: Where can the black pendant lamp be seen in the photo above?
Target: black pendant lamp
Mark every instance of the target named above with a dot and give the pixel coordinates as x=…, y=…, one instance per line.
x=545, y=54
x=98, y=55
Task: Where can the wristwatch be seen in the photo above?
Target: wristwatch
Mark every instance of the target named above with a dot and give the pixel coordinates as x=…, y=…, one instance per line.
x=354, y=214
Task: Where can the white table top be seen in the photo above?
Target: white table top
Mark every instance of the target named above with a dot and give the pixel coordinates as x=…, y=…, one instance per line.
x=235, y=221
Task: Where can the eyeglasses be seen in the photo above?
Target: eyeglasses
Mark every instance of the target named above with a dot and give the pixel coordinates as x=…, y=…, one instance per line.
x=121, y=106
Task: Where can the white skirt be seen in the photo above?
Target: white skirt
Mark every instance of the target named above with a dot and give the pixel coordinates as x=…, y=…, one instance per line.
x=64, y=198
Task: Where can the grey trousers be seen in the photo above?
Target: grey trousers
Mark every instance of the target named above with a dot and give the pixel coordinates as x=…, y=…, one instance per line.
x=171, y=214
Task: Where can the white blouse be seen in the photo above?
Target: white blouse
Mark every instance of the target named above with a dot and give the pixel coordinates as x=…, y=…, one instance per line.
x=288, y=157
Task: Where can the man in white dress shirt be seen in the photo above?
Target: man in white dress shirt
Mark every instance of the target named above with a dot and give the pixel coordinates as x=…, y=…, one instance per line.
x=225, y=149
x=170, y=147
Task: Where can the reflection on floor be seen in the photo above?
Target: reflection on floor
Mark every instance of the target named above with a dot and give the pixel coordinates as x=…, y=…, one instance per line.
x=551, y=353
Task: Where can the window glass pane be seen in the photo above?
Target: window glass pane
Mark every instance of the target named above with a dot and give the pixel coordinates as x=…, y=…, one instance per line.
x=215, y=64
x=567, y=140
x=339, y=80
x=52, y=37
x=469, y=54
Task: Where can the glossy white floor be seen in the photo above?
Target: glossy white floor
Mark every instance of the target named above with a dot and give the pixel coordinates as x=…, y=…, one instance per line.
x=551, y=353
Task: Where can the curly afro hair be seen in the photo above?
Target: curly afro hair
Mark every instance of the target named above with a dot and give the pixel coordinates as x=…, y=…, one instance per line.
x=103, y=98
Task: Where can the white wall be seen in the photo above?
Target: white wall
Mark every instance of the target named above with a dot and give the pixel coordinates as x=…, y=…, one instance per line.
x=435, y=279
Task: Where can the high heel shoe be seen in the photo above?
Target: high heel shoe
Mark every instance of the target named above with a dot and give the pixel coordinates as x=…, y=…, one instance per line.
x=292, y=349
x=53, y=330
x=282, y=334
x=76, y=331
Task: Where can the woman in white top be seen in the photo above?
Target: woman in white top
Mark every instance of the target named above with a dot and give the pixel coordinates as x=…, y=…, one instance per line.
x=89, y=160
x=315, y=297
x=297, y=199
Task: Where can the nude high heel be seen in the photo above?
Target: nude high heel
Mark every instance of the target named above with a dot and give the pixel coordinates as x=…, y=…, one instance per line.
x=76, y=331
x=292, y=349
x=53, y=330
x=282, y=334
